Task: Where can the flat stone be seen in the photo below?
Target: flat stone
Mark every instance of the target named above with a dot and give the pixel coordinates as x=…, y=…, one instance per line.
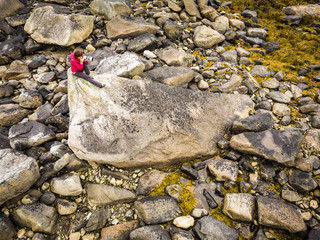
x=310, y=9
x=29, y=134
x=261, y=71
x=42, y=113
x=211, y=228
x=255, y=123
x=45, y=77
x=279, y=97
x=306, y=164
x=301, y=181
x=279, y=146
x=234, y=82
x=159, y=209
x=257, y=32
x=290, y=196
x=67, y=185
x=149, y=181
x=11, y=114
x=143, y=42
x=9, y=8
x=175, y=57
x=39, y=217
x=98, y=220
x=192, y=8
x=173, y=76
x=119, y=231
x=239, y=206
x=271, y=83
x=18, y=173
x=289, y=219
x=155, y=232
x=223, y=170
x=16, y=73
x=109, y=9
x=101, y=195
x=29, y=99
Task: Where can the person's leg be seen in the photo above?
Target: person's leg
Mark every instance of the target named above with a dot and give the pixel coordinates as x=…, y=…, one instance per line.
x=89, y=78
x=86, y=69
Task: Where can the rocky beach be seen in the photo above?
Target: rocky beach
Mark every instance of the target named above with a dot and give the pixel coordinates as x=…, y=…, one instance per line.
x=208, y=126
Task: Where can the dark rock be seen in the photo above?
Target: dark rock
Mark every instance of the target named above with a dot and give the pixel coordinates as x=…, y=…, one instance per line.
x=253, y=40
x=281, y=177
x=31, y=46
x=255, y=123
x=314, y=233
x=250, y=24
x=7, y=229
x=210, y=200
x=219, y=191
x=62, y=75
x=62, y=106
x=155, y=232
x=172, y=30
x=48, y=198
x=315, y=120
x=264, y=105
x=178, y=233
x=6, y=91
x=211, y=228
x=248, y=13
x=38, y=61
x=143, y=42
x=314, y=67
x=303, y=71
x=12, y=48
x=317, y=78
x=98, y=219
x=190, y=171
x=267, y=171
x=59, y=121
x=301, y=181
x=292, y=20
x=11, y=114
x=271, y=46
x=233, y=155
x=246, y=166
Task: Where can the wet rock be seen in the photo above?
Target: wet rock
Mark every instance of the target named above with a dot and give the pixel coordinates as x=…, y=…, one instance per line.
x=121, y=27
x=175, y=57
x=159, y=209
x=289, y=219
x=29, y=99
x=301, y=181
x=110, y=9
x=29, y=134
x=144, y=42
x=65, y=207
x=47, y=25
x=173, y=76
x=255, y=123
x=102, y=195
x=39, y=217
x=67, y=185
x=18, y=173
x=119, y=231
x=223, y=170
x=205, y=37
x=155, y=232
x=6, y=228
x=125, y=65
x=279, y=146
x=239, y=206
x=98, y=220
x=211, y=228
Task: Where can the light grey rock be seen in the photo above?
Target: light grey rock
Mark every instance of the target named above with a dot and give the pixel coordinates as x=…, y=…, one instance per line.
x=173, y=76
x=281, y=109
x=67, y=185
x=237, y=24
x=158, y=209
x=155, y=232
x=239, y=206
x=271, y=83
x=222, y=19
x=245, y=61
x=301, y=10
x=8, y=8
x=205, y=37
x=251, y=83
x=211, y=228
x=192, y=8
x=175, y=57
x=143, y=42
x=124, y=65
x=203, y=85
x=257, y=32
x=45, y=77
x=29, y=134
x=11, y=114
x=145, y=108
x=39, y=217
x=29, y=99
x=301, y=181
x=234, y=82
x=290, y=196
x=47, y=26
x=98, y=219
x=65, y=207
x=58, y=149
x=223, y=170
x=119, y=231
x=121, y=27
x=310, y=108
x=311, y=141
x=7, y=228
x=110, y=9
x=289, y=219
x=62, y=106
x=18, y=173
x=279, y=97
x=208, y=12
x=149, y=181
x=230, y=57
x=279, y=146
x=261, y=71
x=101, y=195
x=255, y=123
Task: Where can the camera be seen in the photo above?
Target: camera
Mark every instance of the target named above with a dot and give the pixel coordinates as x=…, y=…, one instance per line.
x=87, y=58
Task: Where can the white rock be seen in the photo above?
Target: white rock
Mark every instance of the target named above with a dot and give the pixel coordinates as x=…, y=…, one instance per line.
x=184, y=222
x=67, y=185
x=239, y=206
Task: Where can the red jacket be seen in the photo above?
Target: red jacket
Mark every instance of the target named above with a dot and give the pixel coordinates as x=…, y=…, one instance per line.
x=76, y=66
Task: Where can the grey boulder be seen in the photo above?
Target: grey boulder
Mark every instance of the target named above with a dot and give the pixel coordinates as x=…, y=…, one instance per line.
x=155, y=232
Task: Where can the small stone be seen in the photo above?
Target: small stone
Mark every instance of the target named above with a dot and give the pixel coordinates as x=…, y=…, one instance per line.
x=314, y=204
x=184, y=222
x=65, y=207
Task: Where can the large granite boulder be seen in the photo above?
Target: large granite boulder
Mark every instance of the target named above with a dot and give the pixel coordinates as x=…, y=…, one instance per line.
x=109, y=9
x=143, y=123
x=275, y=213
x=8, y=8
x=121, y=27
x=18, y=173
x=47, y=25
x=279, y=146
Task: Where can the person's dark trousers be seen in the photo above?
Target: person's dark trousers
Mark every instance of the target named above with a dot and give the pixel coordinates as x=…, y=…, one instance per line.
x=87, y=76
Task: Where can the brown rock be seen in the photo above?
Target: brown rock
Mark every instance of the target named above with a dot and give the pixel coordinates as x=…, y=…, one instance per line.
x=120, y=231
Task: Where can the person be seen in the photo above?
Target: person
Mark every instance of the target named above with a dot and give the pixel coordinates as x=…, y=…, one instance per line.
x=78, y=65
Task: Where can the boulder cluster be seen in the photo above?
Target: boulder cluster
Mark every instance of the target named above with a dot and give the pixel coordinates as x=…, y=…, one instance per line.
x=191, y=137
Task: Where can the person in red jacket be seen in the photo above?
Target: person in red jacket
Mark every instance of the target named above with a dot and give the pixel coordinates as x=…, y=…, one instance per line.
x=78, y=65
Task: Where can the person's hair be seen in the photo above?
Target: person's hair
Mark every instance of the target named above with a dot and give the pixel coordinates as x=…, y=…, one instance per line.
x=78, y=52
